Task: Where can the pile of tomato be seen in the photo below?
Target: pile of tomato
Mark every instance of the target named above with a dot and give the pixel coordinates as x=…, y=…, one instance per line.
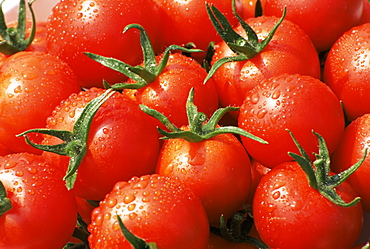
x=186, y=124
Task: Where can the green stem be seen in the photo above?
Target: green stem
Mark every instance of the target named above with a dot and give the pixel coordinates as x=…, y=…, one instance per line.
x=74, y=142
x=5, y=202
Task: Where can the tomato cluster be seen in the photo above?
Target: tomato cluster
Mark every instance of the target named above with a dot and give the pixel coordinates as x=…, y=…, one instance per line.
x=186, y=124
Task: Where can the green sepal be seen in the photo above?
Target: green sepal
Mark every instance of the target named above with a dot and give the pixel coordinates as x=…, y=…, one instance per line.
x=14, y=39
x=135, y=241
x=5, y=202
x=143, y=75
x=243, y=48
x=199, y=129
x=74, y=143
x=318, y=171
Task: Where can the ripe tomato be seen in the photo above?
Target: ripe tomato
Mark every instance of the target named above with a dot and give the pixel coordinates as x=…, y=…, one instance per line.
x=289, y=213
x=366, y=12
x=350, y=150
x=122, y=142
x=154, y=208
x=216, y=242
x=295, y=102
x=249, y=8
x=169, y=91
x=347, y=70
x=43, y=213
x=258, y=171
x=323, y=20
x=217, y=170
x=289, y=51
x=187, y=21
x=31, y=85
x=96, y=26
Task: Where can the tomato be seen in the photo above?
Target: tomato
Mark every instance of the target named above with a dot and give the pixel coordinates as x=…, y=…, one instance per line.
x=154, y=208
x=289, y=213
x=43, y=213
x=289, y=51
x=122, y=142
x=187, y=21
x=366, y=12
x=217, y=170
x=323, y=20
x=96, y=26
x=169, y=91
x=31, y=85
x=249, y=8
x=350, y=150
x=347, y=70
x=296, y=102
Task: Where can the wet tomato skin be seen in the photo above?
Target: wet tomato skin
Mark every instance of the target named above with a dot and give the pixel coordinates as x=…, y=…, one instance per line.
x=296, y=102
x=289, y=213
x=155, y=208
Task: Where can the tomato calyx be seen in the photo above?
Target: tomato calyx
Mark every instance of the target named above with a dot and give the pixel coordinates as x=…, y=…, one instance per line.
x=318, y=172
x=74, y=142
x=237, y=228
x=243, y=48
x=143, y=75
x=5, y=202
x=135, y=241
x=199, y=129
x=14, y=39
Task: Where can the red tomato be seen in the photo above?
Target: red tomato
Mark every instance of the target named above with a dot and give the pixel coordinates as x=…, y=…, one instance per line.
x=289, y=51
x=96, y=26
x=154, y=208
x=349, y=151
x=169, y=91
x=249, y=8
x=289, y=213
x=31, y=85
x=122, y=142
x=323, y=20
x=347, y=70
x=295, y=102
x=366, y=12
x=217, y=170
x=187, y=21
x=43, y=213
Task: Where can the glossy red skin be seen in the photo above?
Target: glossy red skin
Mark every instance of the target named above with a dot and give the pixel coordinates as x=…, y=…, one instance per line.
x=299, y=103
x=168, y=93
x=217, y=170
x=290, y=51
x=44, y=212
x=187, y=21
x=350, y=150
x=75, y=27
x=249, y=8
x=323, y=20
x=31, y=85
x=347, y=70
x=289, y=213
x=155, y=208
x=122, y=142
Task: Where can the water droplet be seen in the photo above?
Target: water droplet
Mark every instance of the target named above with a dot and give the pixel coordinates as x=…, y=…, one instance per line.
x=129, y=198
x=112, y=202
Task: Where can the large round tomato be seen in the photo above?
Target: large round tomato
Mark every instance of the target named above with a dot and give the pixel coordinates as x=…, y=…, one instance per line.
x=290, y=214
x=217, y=170
x=154, y=208
x=323, y=20
x=43, y=212
x=96, y=26
x=31, y=85
x=122, y=142
x=350, y=150
x=295, y=102
x=289, y=51
x=347, y=70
